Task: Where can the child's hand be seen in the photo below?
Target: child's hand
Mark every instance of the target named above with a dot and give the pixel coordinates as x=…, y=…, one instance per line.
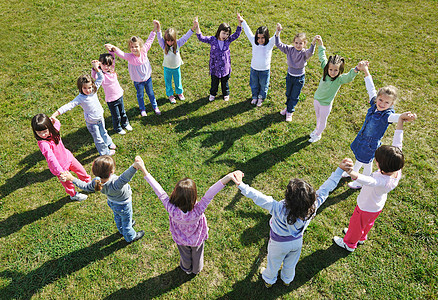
x=346, y=165
x=408, y=116
x=110, y=48
x=239, y=19
x=315, y=38
x=319, y=40
x=53, y=119
x=195, y=24
x=237, y=177
x=279, y=27
x=96, y=64
x=157, y=26
x=66, y=176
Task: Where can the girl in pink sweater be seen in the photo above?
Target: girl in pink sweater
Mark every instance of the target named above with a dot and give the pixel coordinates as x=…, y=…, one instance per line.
x=58, y=158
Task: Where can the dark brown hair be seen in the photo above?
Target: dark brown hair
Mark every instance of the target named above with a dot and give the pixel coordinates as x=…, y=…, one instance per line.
x=262, y=30
x=86, y=78
x=299, y=199
x=390, y=158
x=106, y=59
x=41, y=122
x=103, y=166
x=334, y=60
x=184, y=195
x=223, y=27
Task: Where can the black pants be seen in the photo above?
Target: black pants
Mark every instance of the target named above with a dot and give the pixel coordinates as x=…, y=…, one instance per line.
x=215, y=85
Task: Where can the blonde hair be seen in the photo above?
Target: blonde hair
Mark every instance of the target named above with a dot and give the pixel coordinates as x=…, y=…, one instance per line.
x=103, y=167
x=135, y=39
x=170, y=35
x=390, y=91
x=301, y=36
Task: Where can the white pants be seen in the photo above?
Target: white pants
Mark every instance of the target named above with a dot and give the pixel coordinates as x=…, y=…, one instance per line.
x=322, y=112
x=287, y=253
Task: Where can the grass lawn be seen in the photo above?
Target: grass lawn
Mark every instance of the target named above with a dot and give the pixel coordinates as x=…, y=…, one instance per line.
x=51, y=247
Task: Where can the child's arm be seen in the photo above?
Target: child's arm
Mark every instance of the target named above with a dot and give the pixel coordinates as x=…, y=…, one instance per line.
x=309, y=52
x=99, y=74
x=158, y=190
x=369, y=84
x=398, y=134
x=87, y=187
x=247, y=31
x=346, y=78
x=282, y=47
x=149, y=41
x=321, y=54
x=51, y=159
x=180, y=42
x=236, y=34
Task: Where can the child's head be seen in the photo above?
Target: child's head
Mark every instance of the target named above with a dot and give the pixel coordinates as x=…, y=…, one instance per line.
x=299, y=200
x=262, y=36
x=389, y=158
x=386, y=97
x=300, y=41
x=106, y=61
x=135, y=44
x=223, y=32
x=103, y=167
x=170, y=40
x=43, y=128
x=86, y=85
x=334, y=67
x=184, y=195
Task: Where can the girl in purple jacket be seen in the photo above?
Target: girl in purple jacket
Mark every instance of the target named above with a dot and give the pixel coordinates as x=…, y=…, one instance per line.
x=220, y=61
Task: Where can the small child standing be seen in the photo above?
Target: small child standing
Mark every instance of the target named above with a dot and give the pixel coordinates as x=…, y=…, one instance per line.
x=188, y=224
x=113, y=92
x=140, y=69
x=93, y=111
x=379, y=116
x=259, y=76
x=329, y=85
x=59, y=159
x=117, y=190
x=372, y=197
x=297, y=57
x=290, y=218
x=220, y=60
x=172, y=59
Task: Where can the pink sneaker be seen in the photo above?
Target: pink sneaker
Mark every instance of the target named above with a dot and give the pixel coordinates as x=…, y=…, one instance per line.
x=143, y=113
x=112, y=152
x=157, y=111
x=211, y=98
x=254, y=101
x=226, y=98
x=259, y=102
x=289, y=117
x=283, y=112
x=112, y=146
x=172, y=99
x=181, y=97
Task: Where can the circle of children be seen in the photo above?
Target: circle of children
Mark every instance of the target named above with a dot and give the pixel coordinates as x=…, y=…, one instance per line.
x=188, y=225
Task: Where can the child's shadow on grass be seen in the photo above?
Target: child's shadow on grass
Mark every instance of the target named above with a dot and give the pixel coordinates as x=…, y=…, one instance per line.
x=72, y=141
x=306, y=269
x=264, y=161
x=17, y=221
x=154, y=287
x=24, y=286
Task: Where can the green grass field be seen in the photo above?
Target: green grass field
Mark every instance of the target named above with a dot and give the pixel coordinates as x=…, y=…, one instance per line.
x=53, y=248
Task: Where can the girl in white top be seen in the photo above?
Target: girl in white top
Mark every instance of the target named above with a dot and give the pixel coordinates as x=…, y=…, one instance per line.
x=372, y=197
x=262, y=46
x=172, y=58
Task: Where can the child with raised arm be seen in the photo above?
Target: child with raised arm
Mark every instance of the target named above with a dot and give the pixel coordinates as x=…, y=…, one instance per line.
x=260, y=73
x=172, y=58
x=188, y=224
x=297, y=57
x=379, y=116
x=329, y=85
x=93, y=110
x=290, y=218
x=372, y=197
x=140, y=68
x=117, y=190
x=113, y=92
x=220, y=58
x=59, y=158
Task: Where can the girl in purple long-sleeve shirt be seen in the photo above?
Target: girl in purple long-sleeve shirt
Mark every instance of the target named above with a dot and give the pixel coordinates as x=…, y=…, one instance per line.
x=188, y=224
x=297, y=57
x=140, y=68
x=220, y=61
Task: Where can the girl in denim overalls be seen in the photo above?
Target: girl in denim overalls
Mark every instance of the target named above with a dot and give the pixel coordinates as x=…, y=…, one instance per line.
x=379, y=116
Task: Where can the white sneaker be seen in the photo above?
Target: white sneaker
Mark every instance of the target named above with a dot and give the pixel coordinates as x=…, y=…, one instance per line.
x=314, y=138
x=181, y=97
x=122, y=132
x=254, y=101
x=211, y=98
x=283, y=112
x=78, y=197
x=354, y=185
x=359, y=241
x=259, y=102
x=289, y=117
x=128, y=127
x=340, y=242
x=172, y=99
x=313, y=133
x=226, y=98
